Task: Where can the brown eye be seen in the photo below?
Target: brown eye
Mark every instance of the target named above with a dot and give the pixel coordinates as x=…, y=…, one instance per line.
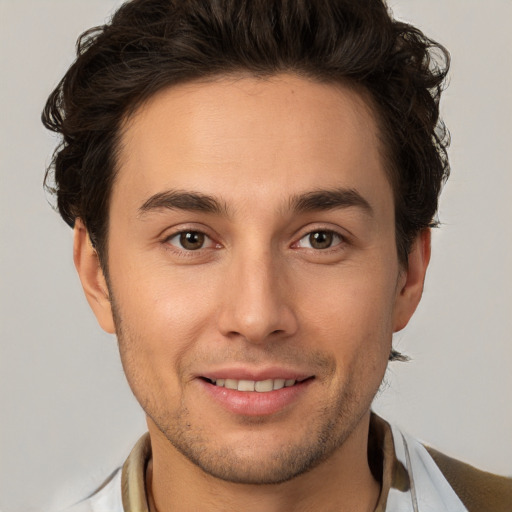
x=192, y=240
x=320, y=240
x=188, y=240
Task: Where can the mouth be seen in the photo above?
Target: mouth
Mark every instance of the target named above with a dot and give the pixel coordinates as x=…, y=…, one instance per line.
x=243, y=394
x=258, y=386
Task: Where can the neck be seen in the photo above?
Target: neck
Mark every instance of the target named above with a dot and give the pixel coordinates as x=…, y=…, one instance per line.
x=343, y=483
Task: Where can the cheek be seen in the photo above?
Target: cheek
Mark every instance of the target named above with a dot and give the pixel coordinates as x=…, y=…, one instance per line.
x=159, y=296
x=162, y=318
x=352, y=315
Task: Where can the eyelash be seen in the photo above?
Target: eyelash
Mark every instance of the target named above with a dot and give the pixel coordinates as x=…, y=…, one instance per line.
x=336, y=240
x=183, y=250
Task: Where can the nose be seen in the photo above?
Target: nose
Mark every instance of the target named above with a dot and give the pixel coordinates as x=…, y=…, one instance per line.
x=257, y=300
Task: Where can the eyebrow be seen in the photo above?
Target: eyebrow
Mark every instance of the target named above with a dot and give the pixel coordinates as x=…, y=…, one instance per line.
x=319, y=200
x=316, y=200
x=183, y=200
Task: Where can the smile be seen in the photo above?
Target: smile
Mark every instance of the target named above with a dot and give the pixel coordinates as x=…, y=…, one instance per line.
x=261, y=395
x=260, y=386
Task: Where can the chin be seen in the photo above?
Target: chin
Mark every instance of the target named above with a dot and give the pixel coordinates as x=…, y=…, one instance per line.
x=257, y=458
x=253, y=468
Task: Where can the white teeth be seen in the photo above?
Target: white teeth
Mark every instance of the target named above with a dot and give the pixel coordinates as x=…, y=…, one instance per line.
x=261, y=386
x=245, y=385
x=231, y=384
x=279, y=383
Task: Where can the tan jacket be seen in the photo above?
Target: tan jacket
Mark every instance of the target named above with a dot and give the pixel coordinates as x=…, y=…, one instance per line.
x=478, y=490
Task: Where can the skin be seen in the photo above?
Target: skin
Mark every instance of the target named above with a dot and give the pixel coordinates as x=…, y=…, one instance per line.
x=259, y=293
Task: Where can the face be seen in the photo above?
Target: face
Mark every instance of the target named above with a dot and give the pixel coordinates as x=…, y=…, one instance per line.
x=253, y=272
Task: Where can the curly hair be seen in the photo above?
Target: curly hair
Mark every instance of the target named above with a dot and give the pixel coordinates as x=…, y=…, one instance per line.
x=152, y=44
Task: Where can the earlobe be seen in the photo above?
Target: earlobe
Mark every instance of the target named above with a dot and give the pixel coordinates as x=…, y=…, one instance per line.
x=412, y=280
x=92, y=278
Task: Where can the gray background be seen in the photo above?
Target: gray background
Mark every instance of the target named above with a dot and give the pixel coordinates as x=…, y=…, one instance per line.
x=67, y=416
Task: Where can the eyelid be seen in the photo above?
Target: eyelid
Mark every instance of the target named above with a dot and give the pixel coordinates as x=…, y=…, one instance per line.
x=335, y=230
x=337, y=241
x=178, y=230
x=178, y=235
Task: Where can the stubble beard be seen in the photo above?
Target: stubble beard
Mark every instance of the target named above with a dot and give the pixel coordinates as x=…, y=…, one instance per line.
x=333, y=425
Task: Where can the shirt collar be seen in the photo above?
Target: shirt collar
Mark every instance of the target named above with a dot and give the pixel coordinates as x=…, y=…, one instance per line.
x=133, y=478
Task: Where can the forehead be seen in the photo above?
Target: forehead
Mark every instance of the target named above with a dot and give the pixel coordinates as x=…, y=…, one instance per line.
x=247, y=135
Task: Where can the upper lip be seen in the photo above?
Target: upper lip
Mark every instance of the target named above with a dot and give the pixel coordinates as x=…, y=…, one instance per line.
x=237, y=373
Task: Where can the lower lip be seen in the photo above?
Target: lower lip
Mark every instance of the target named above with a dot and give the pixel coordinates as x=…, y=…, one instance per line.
x=253, y=403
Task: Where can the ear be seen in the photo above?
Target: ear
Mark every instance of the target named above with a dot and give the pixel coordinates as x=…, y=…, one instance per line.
x=410, y=284
x=87, y=264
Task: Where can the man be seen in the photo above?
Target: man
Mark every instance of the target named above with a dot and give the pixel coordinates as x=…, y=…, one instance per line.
x=252, y=186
